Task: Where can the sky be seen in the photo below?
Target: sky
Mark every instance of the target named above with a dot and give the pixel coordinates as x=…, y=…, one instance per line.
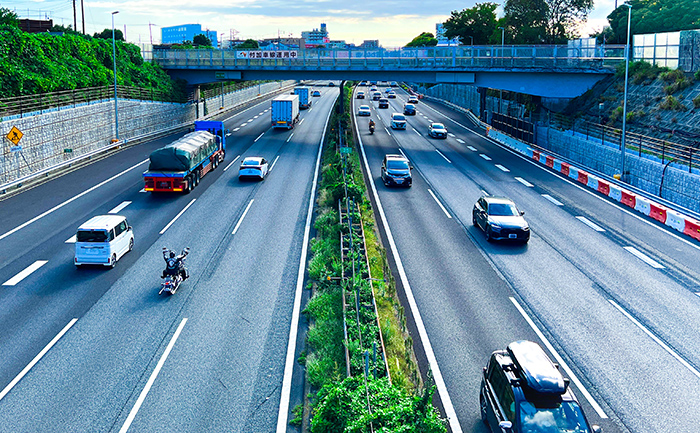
x=393, y=22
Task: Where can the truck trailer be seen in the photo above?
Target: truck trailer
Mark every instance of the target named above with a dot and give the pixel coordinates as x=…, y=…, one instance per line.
x=179, y=166
x=304, y=94
x=285, y=111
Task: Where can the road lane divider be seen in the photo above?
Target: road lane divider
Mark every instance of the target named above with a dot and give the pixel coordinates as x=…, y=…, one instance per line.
x=483, y=191
x=25, y=273
x=404, y=155
x=441, y=154
x=524, y=182
x=120, y=207
x=387, y=131
x=259, y=137
x=290, y=137
x=460, y=141
x=552, y=200
x=656, y=339
x=71, y=240
x=502, y=168
x=451, y=134
x=152, y=379
x=472, y=148
x=36, y=359
x=486, y=157
x=590, y=223
x=274, y=162
x=450, y=412
x=231, y=163
x=643, y=257
x=240, y=220
x=236, y=129
x=290, y=359
x=143, y=190
x=560, y=360
x=439, y=204
x=415, y=130
x=72, y=199
x=250, y=120
x=302, y=121
x=177, y=216
x=261, y=113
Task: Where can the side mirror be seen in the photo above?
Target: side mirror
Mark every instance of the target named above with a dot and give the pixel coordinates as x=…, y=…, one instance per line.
x=506, y=426
x=411, y=167
x=128, y=229
x=522, y=212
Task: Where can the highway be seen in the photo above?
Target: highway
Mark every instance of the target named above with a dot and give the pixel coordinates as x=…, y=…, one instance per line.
x=99, y=350
x=611, y=292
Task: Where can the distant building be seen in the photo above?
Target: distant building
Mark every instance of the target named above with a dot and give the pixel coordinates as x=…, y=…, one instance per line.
x=186, y=32
x=35, y=26
x=288, y=42
x=370, y=44
x=440, y=36
x=316, y=36
x=337, y=44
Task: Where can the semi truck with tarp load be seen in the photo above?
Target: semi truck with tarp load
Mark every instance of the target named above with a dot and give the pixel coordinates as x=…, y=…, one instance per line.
x=285, y=111
x=304, y=94
x=180, y=165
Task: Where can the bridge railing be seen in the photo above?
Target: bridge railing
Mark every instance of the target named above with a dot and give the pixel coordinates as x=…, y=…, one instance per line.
x=460, y=57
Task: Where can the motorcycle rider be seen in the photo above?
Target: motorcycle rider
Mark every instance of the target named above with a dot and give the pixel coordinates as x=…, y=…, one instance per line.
x=174, y=264
x=371, y=125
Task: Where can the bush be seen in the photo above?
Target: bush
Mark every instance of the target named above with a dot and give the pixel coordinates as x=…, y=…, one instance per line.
x=640, y=71
x=633, y=115
x=616, y=114
x=672, y=103
x=696, y=102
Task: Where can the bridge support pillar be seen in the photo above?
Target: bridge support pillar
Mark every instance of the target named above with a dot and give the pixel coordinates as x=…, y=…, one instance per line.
x=341, y=106
x=482, y=103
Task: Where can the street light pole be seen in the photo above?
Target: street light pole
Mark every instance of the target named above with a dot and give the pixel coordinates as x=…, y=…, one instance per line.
x=471, y=40
x=500, y=91
x=114, y=62
x=624, y=104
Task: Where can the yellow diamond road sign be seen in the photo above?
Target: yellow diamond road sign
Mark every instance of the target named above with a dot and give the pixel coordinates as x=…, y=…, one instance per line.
x=15, y=135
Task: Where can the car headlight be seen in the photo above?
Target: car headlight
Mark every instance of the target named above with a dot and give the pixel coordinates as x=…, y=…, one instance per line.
x=526, y=228
x=495, y=228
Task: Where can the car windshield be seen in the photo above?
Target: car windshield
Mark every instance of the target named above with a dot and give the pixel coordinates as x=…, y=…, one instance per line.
x=503, y=209
x=251, y=162
x=408, y=106
x=438, y=126
x=564, y=417
x=396, y=164
x=398, y=117
x=91, y=236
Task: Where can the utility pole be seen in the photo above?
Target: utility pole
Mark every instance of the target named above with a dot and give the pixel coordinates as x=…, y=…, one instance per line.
x=75, y=18
x=150, y=31
x=82, y=14
x=624, y=104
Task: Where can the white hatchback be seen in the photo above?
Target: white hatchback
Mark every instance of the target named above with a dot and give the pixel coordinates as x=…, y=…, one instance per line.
x=253, y=167
x=103, y=240
x=364, y=111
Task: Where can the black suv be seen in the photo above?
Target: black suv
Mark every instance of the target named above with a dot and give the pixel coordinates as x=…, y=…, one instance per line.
x=396, y=171
x=523, y=391
x=383, y=103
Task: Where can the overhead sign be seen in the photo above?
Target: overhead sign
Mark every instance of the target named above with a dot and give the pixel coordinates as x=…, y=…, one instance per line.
x=261, y=54
x=15, y=135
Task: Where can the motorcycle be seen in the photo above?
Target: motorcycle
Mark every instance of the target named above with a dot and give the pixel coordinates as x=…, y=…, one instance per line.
x=371, y=129
x=170, y=284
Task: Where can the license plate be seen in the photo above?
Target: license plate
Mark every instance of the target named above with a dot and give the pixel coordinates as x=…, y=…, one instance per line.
x=512, y=236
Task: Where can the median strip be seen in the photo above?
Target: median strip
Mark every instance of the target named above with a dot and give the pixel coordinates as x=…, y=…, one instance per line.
x=25, y=273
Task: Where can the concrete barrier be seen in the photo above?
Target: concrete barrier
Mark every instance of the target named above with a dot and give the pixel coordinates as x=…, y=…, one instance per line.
x=615, y=193
x=675, y=220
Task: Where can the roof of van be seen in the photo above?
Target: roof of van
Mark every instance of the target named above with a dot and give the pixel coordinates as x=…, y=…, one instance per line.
x=101, y=222
x=287, y=98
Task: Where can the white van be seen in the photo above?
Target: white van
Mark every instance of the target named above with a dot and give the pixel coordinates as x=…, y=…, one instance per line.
x=103, y=240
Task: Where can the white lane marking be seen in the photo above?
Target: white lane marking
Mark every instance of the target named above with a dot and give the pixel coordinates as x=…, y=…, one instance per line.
x=472, y=148
x=71, y=240
x=228, y=135
x=36, y=359
x=455, y=427
x=250, y=120
x=451, y=134
x=255, y=117
x=259, y=137
x=404, y=155
x=149, y=384
x=486, y=157
x=240, y=220
x=290, y=137
x=302, y=121
x=590, y=223
x=643, y=257
x=560, y=360
x=177, y=216
x=552, y=199
x=414, y=130
x=142, y=190
x=441, y=154
x=484, y=193
x=502, y=168
x=260, y=114
x=242, y=125
x=524, y=182
x=120, y=207
x=231, y=163
x=290, y=359
x=273, y=163
x=236, y=129
x=25, y=273
x=310, y=109
x=70, y=200
x=439, y=204
x=387, y=131
x=460, y=141
x=655, y=338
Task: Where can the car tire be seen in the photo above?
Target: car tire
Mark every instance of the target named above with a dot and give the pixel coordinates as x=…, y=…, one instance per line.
x=114, y=261
x=482, y=406
x=189, y=185
x=131, y=244
x=489, y=238
x=474, y=222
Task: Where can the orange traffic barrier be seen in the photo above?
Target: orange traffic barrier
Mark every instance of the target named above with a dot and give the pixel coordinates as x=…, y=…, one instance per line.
x=657, y=212
x=550, y=162
x=692, y=228
x=583, y=177
x=628, y=199
x=565, y=169
x=603, y=187
x=536, y=155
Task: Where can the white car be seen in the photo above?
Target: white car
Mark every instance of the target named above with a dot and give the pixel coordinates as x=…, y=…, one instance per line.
x=102, y=240
x=398, y=121
x=364, y=111
x=253, y=167
x=437, y=130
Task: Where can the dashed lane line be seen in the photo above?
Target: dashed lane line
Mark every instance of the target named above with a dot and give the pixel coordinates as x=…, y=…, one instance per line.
x=524, y=182
x=231, y=163
x=25, y=273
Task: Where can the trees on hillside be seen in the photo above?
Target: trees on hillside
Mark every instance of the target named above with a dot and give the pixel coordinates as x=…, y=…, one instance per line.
x=479, y=22
x=250, y=44
x=425, y=39
x=107, y=34
x=8, y=18
x=544, y=21
x=652, y=16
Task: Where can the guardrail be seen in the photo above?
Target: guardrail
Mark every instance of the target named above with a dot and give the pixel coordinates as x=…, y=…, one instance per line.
x=448, y=58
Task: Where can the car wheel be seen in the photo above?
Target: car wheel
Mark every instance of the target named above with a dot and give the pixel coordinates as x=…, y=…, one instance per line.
x=131, y=244
x=482, y=405
x=489, y=238
x=474, y=222
x=114, y=261
x=188, y=189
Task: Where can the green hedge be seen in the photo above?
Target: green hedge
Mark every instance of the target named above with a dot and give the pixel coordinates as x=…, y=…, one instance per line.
x=33, y=63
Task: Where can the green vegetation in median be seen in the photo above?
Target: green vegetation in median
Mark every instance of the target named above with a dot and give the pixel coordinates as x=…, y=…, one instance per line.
x=351, y=404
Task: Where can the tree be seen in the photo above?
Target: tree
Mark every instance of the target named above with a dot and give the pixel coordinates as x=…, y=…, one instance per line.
x=657, y=16
x=479, y=22
x=545, y=21
x=201, y=39
x=107, y=34
x=8, y=18
x=250, y=44
x=563, y=16
x=58, y=28
x=425, y=39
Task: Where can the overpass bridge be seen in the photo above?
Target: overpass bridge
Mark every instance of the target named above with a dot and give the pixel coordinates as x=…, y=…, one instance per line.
x=540, y=70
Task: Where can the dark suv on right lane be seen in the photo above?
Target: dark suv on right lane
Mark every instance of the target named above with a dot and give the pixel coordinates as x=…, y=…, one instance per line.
x=523, y=391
